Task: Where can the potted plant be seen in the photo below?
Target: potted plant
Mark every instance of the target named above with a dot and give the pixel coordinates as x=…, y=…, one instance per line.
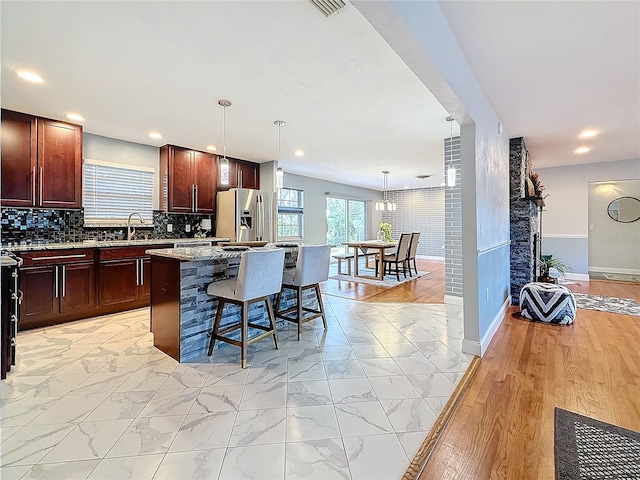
x=547, y=262
x=385, y=229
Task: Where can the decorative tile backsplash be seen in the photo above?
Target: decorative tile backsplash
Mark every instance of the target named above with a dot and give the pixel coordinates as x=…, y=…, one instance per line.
x=32, y=225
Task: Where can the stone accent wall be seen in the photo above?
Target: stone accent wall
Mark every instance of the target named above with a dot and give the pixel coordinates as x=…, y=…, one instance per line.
x=523, y=219
x=419, y=210
x=453, y=221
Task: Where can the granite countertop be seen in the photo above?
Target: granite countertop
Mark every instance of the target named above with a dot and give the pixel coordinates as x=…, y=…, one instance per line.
x=7, y=261
x=191, y=254
x=111, y=243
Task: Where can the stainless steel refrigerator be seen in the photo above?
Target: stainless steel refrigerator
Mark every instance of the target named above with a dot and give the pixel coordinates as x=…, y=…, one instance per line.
x=246, y=215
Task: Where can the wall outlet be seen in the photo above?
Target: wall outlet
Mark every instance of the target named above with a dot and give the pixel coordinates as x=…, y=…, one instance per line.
x=169, y=227
x=187, y=228
x=486, y=294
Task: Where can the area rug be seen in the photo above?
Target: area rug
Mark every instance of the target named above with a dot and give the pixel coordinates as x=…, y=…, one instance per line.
x=389, y=280
x=625, y=306
x=588, y=449
x=621, y=277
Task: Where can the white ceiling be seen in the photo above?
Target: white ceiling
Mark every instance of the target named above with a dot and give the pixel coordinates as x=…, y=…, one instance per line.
x=349, y=102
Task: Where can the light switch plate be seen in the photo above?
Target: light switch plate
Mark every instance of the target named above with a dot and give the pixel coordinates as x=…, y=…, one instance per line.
x=169, y=227
x=187, y=228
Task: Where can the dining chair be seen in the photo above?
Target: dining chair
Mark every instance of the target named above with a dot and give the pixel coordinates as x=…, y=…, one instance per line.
x=413, y=249
x=312, y=267
x=398, y=258
x=259, y=275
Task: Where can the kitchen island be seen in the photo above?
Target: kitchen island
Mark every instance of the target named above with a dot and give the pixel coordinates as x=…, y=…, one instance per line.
x=181, y=310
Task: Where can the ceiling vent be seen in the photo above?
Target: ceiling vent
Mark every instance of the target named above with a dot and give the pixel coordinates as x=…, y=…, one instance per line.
x=328, y=7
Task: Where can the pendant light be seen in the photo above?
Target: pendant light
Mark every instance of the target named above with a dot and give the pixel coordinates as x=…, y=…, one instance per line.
x=451, y=170
x=224, y=163
x=279, y=171
x=385, y=204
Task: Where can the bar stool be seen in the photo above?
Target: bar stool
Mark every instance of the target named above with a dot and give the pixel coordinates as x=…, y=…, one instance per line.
x=259, y=275
x=312, y=267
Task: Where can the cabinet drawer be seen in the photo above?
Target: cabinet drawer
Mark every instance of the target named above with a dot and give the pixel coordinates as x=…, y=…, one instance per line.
x=115, y=253
x=58, y=257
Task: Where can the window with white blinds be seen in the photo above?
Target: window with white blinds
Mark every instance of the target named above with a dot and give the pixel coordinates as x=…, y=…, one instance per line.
x=112, y=191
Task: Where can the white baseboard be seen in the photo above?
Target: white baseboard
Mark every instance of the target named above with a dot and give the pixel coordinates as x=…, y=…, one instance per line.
x=629, y=271
x=577, y=276
x=478, y=348
x=453, y=300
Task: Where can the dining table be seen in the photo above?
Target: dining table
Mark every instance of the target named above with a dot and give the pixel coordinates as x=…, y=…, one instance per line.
x=369, y=244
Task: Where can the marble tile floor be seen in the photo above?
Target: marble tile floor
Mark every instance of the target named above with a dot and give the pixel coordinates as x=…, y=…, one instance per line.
x=95, y=400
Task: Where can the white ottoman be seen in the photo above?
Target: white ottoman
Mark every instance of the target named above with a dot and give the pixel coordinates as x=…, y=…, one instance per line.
x=548, y=302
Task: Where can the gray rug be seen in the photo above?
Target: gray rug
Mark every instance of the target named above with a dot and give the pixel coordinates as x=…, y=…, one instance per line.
x=588, y=449
x=389, y=280
x=625, y=306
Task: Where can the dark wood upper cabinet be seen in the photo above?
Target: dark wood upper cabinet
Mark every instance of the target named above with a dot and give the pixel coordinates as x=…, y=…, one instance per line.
x=41, y=162
x=19, y=159
x=187, y=180
x=241, y=174
x=60, y=164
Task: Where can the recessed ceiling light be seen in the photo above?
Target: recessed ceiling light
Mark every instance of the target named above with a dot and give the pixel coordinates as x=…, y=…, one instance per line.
x=299, y=153
x=75, y=116
x=211, y=147
x=442, y=184
x=155, y=135
x=406, y=187
x=588, y=133
x=583, y=149
x=29, y=76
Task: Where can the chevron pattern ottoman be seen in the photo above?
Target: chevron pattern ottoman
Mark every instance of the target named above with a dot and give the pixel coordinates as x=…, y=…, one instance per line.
x=548, y=302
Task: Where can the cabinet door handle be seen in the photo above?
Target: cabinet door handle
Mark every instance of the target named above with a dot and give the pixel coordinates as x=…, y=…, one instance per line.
x=137, y=272
x=141, y=271
x=195, y=195
x=57, y=282
x=41, y=183
x=64, y=280
x=33, y=187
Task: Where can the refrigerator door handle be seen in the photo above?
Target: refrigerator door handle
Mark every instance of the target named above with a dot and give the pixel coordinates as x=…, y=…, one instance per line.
x=259, y=217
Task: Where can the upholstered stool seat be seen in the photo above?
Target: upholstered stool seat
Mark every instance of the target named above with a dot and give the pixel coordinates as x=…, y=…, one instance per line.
x=259, y=275
x=548, y=302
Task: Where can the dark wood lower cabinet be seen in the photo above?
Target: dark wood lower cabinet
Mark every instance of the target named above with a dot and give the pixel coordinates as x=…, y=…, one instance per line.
x=118, y=281
x=71, y=284
x=56, y=293
x=124, y=278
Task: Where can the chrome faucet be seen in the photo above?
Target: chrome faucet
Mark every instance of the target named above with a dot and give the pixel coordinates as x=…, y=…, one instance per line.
x=131, y=230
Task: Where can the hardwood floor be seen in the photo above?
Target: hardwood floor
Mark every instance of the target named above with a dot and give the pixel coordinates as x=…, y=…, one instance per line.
x=503, y=428
x=427, y=289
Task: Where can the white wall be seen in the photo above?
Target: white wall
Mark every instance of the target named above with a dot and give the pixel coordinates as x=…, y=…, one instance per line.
x=565, y=222
x=315, y=219
x=613, y=246
x=108, y=149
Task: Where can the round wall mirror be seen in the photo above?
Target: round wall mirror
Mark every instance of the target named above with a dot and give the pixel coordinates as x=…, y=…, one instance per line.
x=624, y=209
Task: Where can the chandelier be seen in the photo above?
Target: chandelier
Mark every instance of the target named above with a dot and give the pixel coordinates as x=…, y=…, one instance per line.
x=385, y=204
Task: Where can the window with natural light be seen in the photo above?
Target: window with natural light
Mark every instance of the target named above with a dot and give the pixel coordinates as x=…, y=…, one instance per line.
x=112, y=191
x=290, y=213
